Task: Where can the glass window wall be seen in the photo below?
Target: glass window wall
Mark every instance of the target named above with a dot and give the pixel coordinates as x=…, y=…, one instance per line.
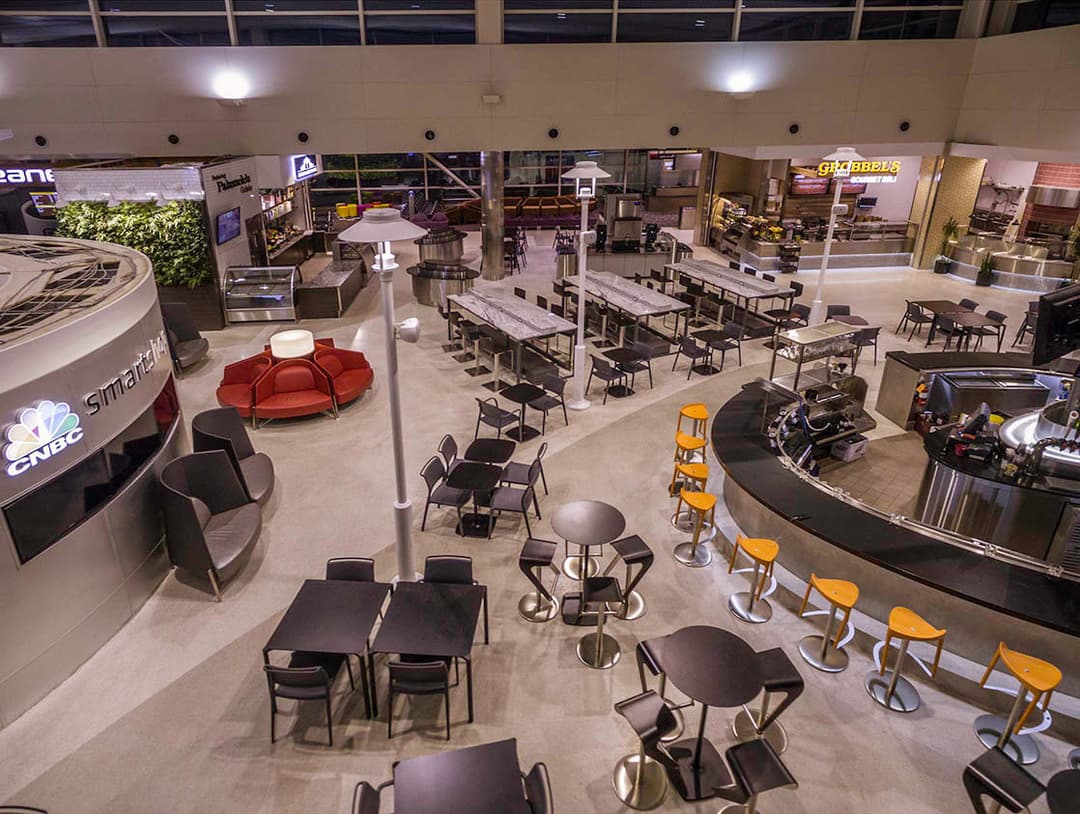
x=420, y=29
x=908, y=25
x=694, y=27
x=157, y=31
x=274, y=29
x=556, y=27
x=786, y=26
x=28, y=31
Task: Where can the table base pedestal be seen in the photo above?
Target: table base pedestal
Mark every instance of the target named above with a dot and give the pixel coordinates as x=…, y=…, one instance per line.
x=745, y=729
x=1020, y=748
x=705, y=370
x=601, y=657
x=634, y=609
x=619, y=391
x=712, y=772
x=639, y=785
x=904, y=698
x=475, y=525
x=525, y=433
x=834, y=660
x=496, y=387
x=572, y=567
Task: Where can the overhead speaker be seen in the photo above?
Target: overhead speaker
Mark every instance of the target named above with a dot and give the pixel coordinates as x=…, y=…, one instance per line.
x=173, y=138
x=302, y=137
x=905, y=126
x=553, y=132
x=793, y=128
x=674, y=130
x=429, y=135
x=40, y=141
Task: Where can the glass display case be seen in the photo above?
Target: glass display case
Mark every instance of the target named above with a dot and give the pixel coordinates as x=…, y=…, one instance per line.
x=260, y=293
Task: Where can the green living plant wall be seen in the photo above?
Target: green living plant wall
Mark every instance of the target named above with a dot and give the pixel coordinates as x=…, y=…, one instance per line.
x=173, y=235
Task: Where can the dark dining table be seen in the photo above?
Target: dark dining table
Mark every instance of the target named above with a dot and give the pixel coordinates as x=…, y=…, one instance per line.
x=586, y=523
x=521, y=394
x=490, y=450
x=717, y=669
x=708, y=336
x=483, y=779
x=479, y=479
x=939, y=309
x=623, y=357
x=850, y=319
x=971, y=321
x=436, y=619
x=333, y=616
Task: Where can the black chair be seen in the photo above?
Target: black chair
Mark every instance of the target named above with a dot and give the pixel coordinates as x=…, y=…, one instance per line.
x=210, y=522
x=641, y=365
x=520, y=292
x=755, y=769
x=914, y=316
x=461, y=326
x=837, y=311
x=689, y=348
x=554, y=386
x=607, y=373
x=367, y=798
x=471, y=335
x=867, y=338
x=418, y=678
x=535, y=556
x=448, y=449
x=223, y=429
x=997, y=330
x=491, y=414
x=453, y=569
x=779, y=677
x=948, y=327
x=599, y=650
x=798, y=317
x=538, y=790
x=354, y=569
x=438, y=493
x=517, y=474
x=186, y=345
x=631, y=551
x=515, y=500
x=309, y=677
x=995, y=775
x=1028, y=325
x=970, y=305
x=732, y=341
x=640, y=779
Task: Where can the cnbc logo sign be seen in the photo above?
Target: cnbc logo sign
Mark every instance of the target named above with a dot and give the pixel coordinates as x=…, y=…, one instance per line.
x=38, y=434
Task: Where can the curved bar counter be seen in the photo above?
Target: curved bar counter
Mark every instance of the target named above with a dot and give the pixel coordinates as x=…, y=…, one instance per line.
x=974, y=595
x=89, y=418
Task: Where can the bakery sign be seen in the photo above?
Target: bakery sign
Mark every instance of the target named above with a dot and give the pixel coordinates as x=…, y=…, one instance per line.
x=861, y=172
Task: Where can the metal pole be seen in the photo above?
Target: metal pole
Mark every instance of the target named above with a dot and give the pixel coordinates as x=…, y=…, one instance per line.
x=402, y=506
x=578, y=400
x=817, y=310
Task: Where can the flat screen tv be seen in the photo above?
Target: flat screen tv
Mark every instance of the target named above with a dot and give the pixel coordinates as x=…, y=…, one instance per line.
x=1057, y=329
x=228, y=225
x=849, y=188
x=807, y=185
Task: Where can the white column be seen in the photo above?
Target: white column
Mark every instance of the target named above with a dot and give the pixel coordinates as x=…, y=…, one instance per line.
x=577, y=390
x=817, y=309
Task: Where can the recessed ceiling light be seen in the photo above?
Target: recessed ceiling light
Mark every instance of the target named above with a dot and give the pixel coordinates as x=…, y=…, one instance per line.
x=699, y=23
x=561, y=16
x=231, y=85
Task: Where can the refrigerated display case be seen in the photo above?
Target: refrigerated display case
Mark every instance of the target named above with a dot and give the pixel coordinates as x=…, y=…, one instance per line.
x=260, y=293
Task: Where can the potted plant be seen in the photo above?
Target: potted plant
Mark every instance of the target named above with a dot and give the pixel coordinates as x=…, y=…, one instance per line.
x=950, y=230
x=985, y=274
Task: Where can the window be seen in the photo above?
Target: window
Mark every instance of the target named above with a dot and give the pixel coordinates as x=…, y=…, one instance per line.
x=908, y=25
x=558, y=27
x=658, y=5
x=28, y=31
x=295, y=5
x=762, y=27
x=787, y=4
x=420, y=29
x=153, y=30
x=40, y=518
x=1045, y=14
x=274, y=29
x=419, y=5
x=44, y=5
x=700, y=27
x=160, y=5
x=564, y=5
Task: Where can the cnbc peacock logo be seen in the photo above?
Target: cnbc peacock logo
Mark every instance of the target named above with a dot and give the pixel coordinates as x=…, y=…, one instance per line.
x=40, y=433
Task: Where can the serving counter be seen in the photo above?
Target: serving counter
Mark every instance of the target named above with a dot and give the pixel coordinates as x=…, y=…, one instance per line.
x=1025, y=266
x=863, y=249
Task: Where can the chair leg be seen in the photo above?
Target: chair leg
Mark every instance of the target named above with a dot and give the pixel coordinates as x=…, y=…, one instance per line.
x=348, y=668
x=588, y=384
x=476, y=432
x=390, y=715
x=528, y=529
x=273, y=715
x=214, y=584
x=566, y=418
x=543, y=480
x=329, y=719
x=447, y=697
x=423, y=522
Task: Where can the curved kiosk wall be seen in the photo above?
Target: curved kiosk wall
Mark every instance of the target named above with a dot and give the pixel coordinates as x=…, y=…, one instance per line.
x=88, y=416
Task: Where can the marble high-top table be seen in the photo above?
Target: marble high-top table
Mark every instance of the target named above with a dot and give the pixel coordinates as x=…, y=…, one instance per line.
x=629, y=297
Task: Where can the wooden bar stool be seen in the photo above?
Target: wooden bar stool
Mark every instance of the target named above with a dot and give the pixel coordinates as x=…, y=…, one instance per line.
x=1037, y=677
x=889, y=688
x=694, y=475
x=697, y=414
x=699, y=505
x=763, y=552
x=815, y=649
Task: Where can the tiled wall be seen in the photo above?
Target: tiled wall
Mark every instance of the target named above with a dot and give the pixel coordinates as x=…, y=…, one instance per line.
x=1058, y=175
x=955, y=197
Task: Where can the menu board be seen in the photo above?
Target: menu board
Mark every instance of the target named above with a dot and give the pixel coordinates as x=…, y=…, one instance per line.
x=808, y=185
x=849, y=188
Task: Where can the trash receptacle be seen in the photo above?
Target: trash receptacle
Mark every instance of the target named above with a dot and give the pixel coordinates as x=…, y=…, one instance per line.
x=565, y=264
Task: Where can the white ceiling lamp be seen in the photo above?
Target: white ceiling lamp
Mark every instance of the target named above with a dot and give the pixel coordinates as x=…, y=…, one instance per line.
x=231, y=88
x=740, y=85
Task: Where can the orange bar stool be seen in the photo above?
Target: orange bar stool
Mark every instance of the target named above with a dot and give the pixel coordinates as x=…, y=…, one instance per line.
x=697, y=416
x=690, y=444
x=888, y=687
x=816, y=650
x=694, y=475
x=763, y=552
x=1037, y=677
x=688, y=448
x=699, y=506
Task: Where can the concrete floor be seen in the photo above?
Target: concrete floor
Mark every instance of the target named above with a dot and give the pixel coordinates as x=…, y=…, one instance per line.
x=172, y=713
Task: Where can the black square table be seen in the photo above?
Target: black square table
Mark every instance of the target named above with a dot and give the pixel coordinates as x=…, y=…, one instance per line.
x=849, y=319
x=522, y=394
x=939, y=308
x=707, y=337
x=490, y=450
x=333, y=616
x=436, y=619
x=482, y=779
x=622, y=357
x=478, y=478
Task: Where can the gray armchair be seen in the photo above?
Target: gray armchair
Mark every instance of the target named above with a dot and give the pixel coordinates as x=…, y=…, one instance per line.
x=185, y=342
x=223, y=429
x=210, y=522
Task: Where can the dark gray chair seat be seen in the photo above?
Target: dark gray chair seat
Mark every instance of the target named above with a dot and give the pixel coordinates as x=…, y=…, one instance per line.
x=186, y=345
x=228, y=535
x=449, y=496
x=190, y=351
x=223, y=428
x=995, y=775
x=258, y=473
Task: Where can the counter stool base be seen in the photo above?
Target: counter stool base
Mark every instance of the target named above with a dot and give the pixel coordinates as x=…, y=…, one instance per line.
x=687, y=555
x=684, y=522
x=739, y=605
x=745, y=729
x=1020, y=748
x=905, y=697
x=533, y=608
x=711, y=775
x=619, y=391
x=496, y=387
x=572, y=567
x=634, y=608
x=835, y=660
x=608, y=655
x=1074, y=759
x=641, y=795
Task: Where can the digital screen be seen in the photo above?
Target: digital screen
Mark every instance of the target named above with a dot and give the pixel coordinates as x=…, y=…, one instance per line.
x=1057, y=329
x=228, y=225
x=867, y=203
x=40, y=518
x=849, y=188
x=808, y=185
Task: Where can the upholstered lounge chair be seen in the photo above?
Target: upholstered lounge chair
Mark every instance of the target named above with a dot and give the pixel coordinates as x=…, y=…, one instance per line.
x=237, y=383
x=224, y=429
x=291, y=388
x=349, y=372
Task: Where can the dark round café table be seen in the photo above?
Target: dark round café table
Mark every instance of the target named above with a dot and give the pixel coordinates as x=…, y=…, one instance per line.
x=623, y=357
x=586, y=523
x=480, y=479
x=1063, y=792
x=717, y=669
x=522, y=394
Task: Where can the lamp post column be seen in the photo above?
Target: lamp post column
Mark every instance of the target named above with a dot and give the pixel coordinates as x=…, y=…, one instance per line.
x=402, y=506
x=817, y=308
x=578, y=400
